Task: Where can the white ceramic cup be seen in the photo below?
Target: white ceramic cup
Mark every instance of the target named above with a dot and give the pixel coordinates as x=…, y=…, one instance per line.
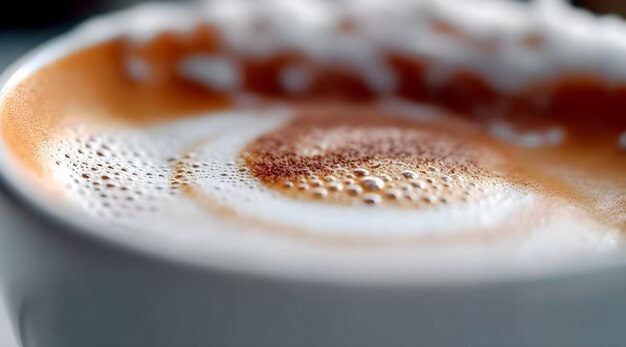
x=68, y=287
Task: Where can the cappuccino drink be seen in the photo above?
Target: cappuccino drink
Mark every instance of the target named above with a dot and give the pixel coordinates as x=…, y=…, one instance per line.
x=342, y=141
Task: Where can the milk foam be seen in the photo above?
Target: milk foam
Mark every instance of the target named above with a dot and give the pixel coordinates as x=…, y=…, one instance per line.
x=139, y=181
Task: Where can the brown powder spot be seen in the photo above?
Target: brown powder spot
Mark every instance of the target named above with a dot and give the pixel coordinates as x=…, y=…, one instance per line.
x=346, y=25
x=342, y=142
x=533, y=40
x=445, y=28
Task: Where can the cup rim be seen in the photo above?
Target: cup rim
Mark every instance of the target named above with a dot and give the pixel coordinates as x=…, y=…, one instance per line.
x=14, y=184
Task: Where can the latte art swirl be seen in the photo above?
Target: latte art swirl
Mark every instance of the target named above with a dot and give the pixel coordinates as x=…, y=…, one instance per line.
x=230, y=136
x=215, y=168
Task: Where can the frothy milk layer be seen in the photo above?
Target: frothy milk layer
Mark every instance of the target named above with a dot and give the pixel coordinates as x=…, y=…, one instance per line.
x=187, y=184
x=316, y=137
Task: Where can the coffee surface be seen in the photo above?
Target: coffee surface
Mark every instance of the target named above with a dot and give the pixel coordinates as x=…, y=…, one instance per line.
x=181, y=137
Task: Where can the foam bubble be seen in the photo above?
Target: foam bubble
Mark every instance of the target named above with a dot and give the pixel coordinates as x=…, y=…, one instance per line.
x=372, y=183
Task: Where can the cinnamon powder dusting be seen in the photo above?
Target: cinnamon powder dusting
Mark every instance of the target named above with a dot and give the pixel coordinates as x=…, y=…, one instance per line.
x=356, y=154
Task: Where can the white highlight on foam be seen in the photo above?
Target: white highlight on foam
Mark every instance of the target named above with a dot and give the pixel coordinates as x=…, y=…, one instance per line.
x=296, y=79
x=531, y=139
x=621, y=142
x=572, y=235
x=218, y=72
x=138, y=69
x=381, y=79
x=411, y=110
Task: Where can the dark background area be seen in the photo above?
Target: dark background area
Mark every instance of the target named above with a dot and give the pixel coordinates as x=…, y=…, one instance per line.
x=27, y=23
x=28, y=13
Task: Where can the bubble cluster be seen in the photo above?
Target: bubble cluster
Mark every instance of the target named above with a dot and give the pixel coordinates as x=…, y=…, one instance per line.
x=114, y=180
x=359, y=158
x=132, y=178
x=389, y=184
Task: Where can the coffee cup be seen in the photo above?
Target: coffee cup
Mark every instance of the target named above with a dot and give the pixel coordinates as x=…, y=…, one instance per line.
x=190, y=175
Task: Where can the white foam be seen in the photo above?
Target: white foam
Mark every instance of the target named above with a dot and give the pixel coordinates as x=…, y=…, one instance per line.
x=296, y=79
x=551, y=136
x=138, y=69
x=218, y=72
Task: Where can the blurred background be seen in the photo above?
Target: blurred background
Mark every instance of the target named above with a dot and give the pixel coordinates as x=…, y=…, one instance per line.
x=29, y=23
